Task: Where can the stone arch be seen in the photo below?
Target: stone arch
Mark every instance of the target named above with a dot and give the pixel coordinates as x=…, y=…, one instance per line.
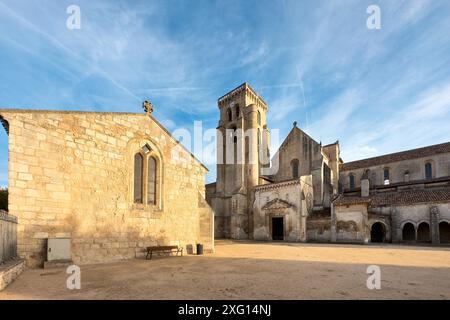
x=351, y=181
x=295, y=168
x=147, y=148
x=423, y=232
x=408, y=231
x=444, y=232
x=429, y=169
x=378, y=231
x=138, y=178
x=152, y=180
x=229, y=115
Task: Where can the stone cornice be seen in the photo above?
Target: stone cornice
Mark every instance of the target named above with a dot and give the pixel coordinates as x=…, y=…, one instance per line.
x=246, y=89
x=277, y=185
x=6, y=110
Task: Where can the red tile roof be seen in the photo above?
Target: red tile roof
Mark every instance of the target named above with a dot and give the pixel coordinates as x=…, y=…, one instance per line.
x=404, y=197
x=398, y=156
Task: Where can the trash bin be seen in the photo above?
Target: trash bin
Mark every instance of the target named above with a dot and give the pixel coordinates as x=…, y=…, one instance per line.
x=199, y=248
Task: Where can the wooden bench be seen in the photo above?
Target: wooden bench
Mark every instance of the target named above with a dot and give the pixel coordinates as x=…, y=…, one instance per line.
x=163, y=249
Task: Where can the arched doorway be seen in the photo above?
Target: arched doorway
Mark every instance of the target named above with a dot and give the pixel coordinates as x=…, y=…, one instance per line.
x=377, y=232
x=444, y=232
x=409, y=232
x=423, y=232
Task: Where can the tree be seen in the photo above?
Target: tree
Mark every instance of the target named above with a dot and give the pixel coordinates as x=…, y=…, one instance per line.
x=4, y=199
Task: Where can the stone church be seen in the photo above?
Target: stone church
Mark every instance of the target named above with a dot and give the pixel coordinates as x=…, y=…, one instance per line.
x=112, y=183
x=306, y=192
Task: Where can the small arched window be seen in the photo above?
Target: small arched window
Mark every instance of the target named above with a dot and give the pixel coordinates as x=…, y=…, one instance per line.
x=428, y=171
x=259, y=118
x=234, y=134
x=295, y=169
x=238, y=111
x=138, y=180
x=351, y=181
x=386, y=176
x=229, y=115
x=151, y=180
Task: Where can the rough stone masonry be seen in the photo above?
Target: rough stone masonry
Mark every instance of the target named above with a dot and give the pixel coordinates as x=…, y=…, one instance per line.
x=73, y=174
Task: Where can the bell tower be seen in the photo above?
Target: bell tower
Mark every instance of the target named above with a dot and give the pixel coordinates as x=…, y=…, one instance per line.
x=242, y=151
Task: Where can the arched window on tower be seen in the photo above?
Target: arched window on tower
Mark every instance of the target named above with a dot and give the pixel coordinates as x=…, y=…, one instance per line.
x=151, y=180
x=138, y=178
x=351, y=181
x=259, y=118
x=428, y=171
x=229, y=115
x=295, y=169
x=234, y=133
x=238, y=111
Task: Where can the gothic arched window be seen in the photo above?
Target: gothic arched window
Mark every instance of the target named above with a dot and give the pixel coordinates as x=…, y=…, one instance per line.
x=138, y=177
x=428, y=171
x=295, y=169
x=351, y=181
x=234, y=134
x=229, y=115
x=151, y=180
x=259, y=118
x=238, y=111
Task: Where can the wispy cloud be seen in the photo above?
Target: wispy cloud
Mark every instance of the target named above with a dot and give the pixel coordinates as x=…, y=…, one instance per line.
x=313, y=62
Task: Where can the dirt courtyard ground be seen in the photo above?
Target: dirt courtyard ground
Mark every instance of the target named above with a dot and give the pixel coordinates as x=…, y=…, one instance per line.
x=249, y=270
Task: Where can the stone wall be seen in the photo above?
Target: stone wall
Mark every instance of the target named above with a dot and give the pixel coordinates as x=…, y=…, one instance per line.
x=298, y=146
x=417, y=214
x=71, y=175
x=415, y=167
x=10, y=271
x=292, y=200
x=352, y=224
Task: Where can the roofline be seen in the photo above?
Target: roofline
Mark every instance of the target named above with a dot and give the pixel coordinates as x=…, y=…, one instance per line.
x=5, y=110
x=245, y=84
x=394, y=153
x=20, y=110
x=287, y=136
x=331, y=144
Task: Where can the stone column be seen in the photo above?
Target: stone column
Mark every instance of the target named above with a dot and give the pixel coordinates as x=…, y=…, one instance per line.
x=395, y=228
x=434, y=221
x=221, y=140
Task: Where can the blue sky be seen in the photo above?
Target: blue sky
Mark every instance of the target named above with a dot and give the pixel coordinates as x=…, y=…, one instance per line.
x=377, y=91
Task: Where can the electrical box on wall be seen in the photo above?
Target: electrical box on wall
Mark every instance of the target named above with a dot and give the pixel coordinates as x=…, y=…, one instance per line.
x=58, y=249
